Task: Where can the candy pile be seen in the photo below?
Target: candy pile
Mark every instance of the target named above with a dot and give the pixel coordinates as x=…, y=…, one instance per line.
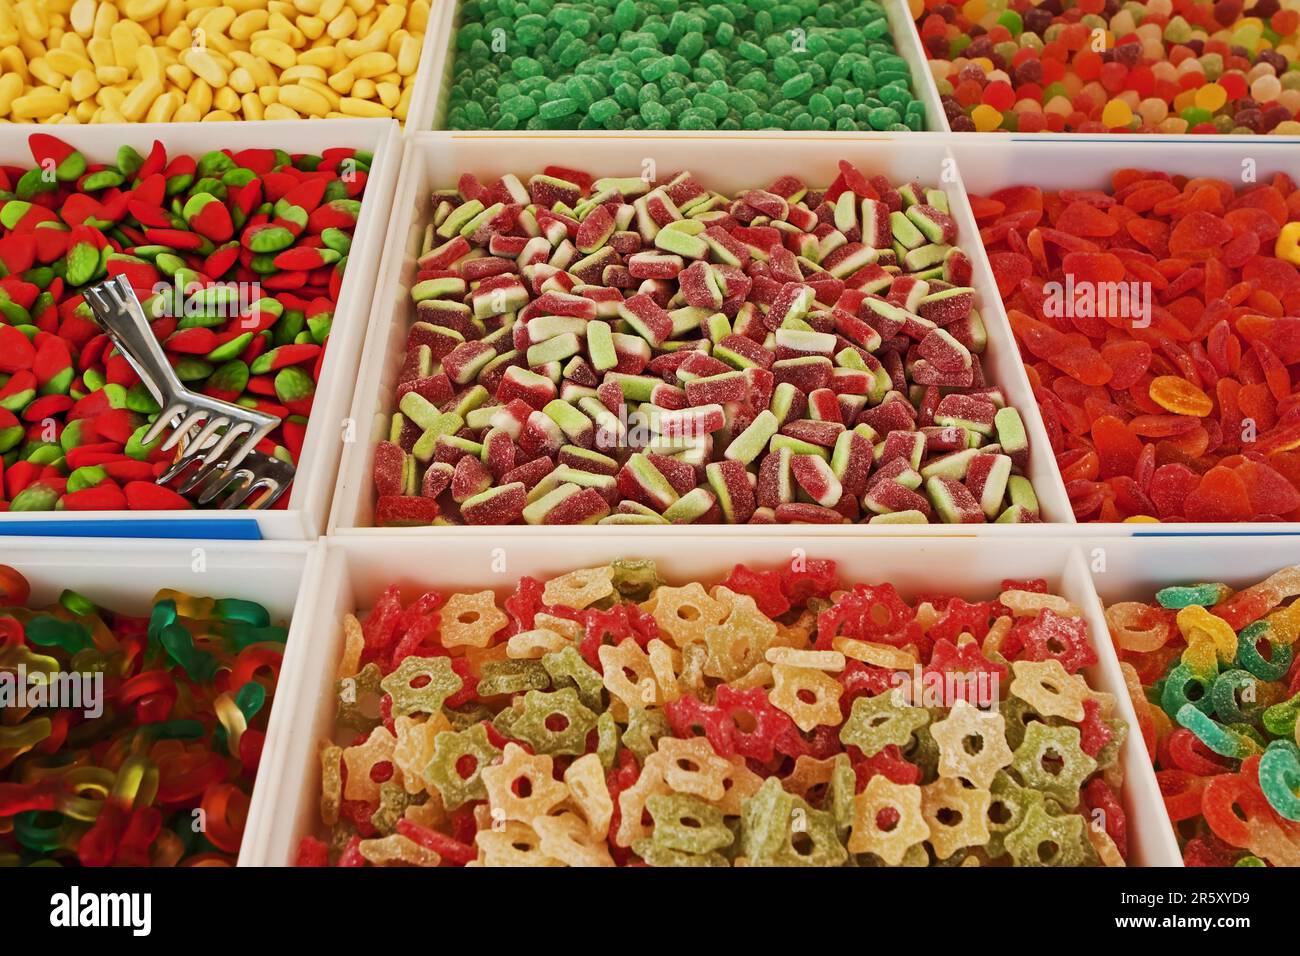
x=730, y=65
x=155, y=61
x=778, y=718
x=130, y=741
x=1214, y=679
x=1158, y=323
x=239, y=254
x=1092, y=66
x=627, y=353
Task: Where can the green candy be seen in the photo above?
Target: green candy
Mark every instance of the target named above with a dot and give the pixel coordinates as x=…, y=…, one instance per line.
x=644, y=728
x=440, y=682
x=393, y=801
x=1045, y=840
x=876, y=722
x=655, y=855
x=1223, y=695
x=780, y=829
x=358, y=696
x=1204, y=595
x=568, y=668
x=445, y=768
x=512, y=677
x=1279, y=777
x=1223, y=740
x=620, y=64
x=635, y=579
x=1174, y=695
x=687, y=825
x=554, y=723
x=1008, y=805
x=1050, y=759
x=607, y=740
x=69, y=636
x=1274, y=667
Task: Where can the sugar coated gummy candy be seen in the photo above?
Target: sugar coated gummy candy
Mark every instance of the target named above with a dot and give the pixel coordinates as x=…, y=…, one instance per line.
x=624, y=65
x=1157, y=320
x=745, y=722
x=623, y=351
x=237, y=257
x=1171, y=66
x=1213, y=677
x=166, y=719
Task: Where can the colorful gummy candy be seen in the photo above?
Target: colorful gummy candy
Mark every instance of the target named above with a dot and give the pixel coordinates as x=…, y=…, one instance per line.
x=238, y=254
x=1214, y=679
x=610, y=350
x=130, y=741
x=152, y=61
x=778, y=718
x=1158, y=321
x=1093, y=66
x=676, y=64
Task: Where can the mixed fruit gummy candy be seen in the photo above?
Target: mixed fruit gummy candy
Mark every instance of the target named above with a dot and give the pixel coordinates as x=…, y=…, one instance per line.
x=1093, y=66
x=1214, y=679
x=238, y=256
x=1159, y=321
x=676, y=64
x=118, y=730
x=775, y=718
x=615, y=351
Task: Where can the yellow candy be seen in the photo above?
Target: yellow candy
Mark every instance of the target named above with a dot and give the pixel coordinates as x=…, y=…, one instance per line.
x=1116, y=114
x=1288, y=243
x=96, y=61
x=1211, y=97
x=986, y=118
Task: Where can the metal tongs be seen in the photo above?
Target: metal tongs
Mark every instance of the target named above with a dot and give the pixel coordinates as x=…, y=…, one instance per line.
x=206, y=429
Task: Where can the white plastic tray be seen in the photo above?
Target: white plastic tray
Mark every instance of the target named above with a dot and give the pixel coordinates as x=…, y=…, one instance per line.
x=308, y=503
x=989, y=163
x=738, y=161
x=355, y=571
x=125, y=575
x=433, y=84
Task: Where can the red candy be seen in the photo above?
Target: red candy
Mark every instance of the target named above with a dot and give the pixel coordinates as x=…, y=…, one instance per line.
x=1167, y=383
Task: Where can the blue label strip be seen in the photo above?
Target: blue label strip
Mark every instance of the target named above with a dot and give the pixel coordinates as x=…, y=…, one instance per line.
x=239, y=529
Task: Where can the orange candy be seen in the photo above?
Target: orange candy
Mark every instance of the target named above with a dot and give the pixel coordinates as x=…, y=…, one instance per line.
x=1180, y=396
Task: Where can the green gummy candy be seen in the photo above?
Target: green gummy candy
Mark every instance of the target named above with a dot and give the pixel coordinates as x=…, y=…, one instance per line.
x=636, y=578
x=554, y=723
x=1009, y=803
x=393, y=801
x=512, y=677
x=687, y=825
x=358, y=696
x=568, y=668
x=607, y=740
x=876, y=722
x=1279, y=777
x=655, y=855
x=448, y=766
x=1045, y=840
x=780, y=829
x=1220, y=738
x=439, y=683
x=644, y=728
x=70, y=636
x=1050, y=759
x=1274, y=667
x=1204, y=595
